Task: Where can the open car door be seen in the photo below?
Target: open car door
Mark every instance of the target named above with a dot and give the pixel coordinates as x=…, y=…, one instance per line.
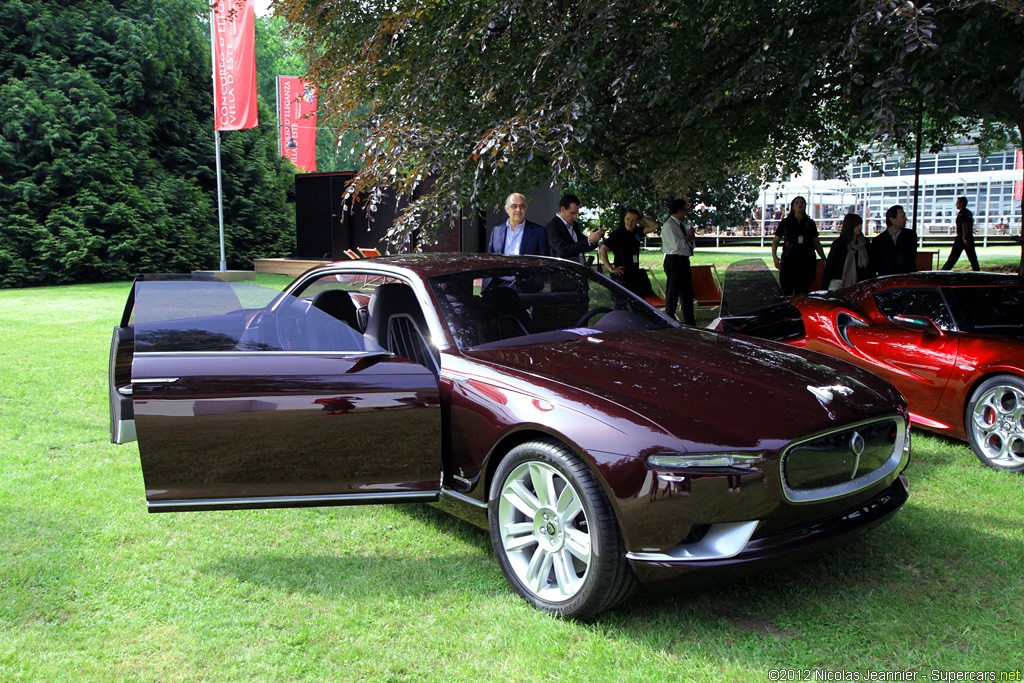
x=243, y=397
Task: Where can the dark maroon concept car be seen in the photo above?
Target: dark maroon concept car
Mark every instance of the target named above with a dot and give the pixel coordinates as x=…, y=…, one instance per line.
x=601, y=444
x=952, y=343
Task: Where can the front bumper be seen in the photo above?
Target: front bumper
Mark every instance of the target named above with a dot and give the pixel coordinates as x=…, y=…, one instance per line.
x=721, y=561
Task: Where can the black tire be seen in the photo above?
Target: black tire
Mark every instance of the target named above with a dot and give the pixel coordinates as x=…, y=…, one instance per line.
x=562, y=549
x=994, y=423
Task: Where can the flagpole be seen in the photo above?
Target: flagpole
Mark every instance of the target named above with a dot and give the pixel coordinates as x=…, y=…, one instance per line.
x=216, y=140
x=220, y=202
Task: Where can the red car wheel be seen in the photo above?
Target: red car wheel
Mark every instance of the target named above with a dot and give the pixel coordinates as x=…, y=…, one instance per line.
x=995, y=423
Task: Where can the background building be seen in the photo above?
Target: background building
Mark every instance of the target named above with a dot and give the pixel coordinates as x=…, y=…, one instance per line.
x=992, y=185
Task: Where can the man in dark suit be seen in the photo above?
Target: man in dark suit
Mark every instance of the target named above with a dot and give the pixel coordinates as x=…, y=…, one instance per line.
x=518, y=235
x=894, y=250
x=964, y=241
x=564, y=238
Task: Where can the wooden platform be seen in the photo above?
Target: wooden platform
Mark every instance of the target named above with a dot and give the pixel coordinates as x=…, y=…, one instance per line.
x=286, y=266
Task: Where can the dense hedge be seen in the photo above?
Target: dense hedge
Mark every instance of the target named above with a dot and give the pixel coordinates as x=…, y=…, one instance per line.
x=106, y=147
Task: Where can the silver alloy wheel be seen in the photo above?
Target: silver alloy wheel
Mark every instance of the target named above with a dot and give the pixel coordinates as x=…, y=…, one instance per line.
x=544, y=531
x=998, y=425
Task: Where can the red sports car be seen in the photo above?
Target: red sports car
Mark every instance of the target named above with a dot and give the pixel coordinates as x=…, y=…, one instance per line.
x=953, y=343
x=597, y=441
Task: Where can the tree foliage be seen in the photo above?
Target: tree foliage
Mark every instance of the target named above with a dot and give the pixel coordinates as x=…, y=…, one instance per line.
x=627, y=98
x=106, y=147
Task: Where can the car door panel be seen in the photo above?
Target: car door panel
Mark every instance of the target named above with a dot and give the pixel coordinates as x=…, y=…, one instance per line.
x=918, y=363
x=122, y=416
x=244, y=397
x=285, y=429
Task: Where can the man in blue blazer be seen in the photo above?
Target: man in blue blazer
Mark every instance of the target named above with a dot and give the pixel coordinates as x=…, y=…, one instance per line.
x=518, y=235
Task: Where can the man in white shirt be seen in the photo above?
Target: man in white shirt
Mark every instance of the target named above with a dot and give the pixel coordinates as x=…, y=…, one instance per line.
x=677, y=241
x=564, y=238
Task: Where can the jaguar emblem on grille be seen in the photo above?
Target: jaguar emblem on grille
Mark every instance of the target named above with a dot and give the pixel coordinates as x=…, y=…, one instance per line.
x=857, y=445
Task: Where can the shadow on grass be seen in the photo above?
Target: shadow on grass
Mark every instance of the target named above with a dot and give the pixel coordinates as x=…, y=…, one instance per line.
x=353, y=574
x=925, y=577
x=927, y=581
x=350, y=575
x=928, y=448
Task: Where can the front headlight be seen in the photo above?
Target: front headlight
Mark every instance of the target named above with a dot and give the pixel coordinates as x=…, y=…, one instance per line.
x=690, y=461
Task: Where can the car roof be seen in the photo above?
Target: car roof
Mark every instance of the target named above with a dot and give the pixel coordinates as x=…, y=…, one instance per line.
x=939, y=278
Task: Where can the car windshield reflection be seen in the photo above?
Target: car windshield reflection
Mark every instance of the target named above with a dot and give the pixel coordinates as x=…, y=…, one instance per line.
x=504, y=307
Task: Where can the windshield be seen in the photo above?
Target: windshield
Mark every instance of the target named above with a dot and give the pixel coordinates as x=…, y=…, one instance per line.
x=504, y=307
x=748, y=286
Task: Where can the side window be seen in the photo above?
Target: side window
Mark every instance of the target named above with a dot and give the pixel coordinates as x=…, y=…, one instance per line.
x=323, y=294
x=991, y=310
x=383, y=309
x=922, y=301
x=179, y=315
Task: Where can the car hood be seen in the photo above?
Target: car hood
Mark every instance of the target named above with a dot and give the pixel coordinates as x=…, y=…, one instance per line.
x=709, y=389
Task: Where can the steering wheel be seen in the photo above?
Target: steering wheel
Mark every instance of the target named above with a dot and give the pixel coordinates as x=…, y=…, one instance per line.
x=591, y=313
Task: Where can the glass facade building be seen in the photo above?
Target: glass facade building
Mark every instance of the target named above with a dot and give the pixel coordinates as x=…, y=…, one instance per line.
x=992, y=185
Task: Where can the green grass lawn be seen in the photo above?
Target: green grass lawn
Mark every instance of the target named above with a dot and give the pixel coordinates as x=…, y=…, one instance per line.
x=93, y=588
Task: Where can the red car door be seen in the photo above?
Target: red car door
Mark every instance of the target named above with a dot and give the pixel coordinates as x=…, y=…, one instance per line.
x=917, y=363
x=910, y=341
x=277, y=405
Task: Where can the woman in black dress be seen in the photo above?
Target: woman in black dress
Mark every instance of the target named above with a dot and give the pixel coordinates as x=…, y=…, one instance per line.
x=798, y=235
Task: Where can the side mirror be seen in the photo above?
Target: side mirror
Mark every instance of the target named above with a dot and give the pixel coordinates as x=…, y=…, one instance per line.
x=916, y=322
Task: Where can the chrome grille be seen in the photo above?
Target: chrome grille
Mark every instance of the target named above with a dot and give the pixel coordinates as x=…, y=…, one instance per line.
x=843, y=460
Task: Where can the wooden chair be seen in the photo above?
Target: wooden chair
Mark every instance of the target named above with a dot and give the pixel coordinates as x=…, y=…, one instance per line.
x=927, y=260
x=706, y=288
x=369, y=253
x=352, y=255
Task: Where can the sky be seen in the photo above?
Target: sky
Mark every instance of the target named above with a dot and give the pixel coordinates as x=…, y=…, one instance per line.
x=262, y=7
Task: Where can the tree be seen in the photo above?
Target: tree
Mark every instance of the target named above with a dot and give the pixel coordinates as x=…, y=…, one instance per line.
x=629, y=98
x=106, y=147
x=634, y=98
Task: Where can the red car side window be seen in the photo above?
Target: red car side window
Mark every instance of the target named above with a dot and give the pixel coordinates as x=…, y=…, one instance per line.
x=921, y=301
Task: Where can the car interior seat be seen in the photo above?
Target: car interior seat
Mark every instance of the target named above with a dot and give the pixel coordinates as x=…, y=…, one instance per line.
x=331, y=324
x=503, y=315
x=397, y=324
x=337, y=304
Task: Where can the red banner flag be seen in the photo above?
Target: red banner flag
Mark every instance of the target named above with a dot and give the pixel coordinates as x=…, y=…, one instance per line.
x=296, y=110
x=233, y=32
